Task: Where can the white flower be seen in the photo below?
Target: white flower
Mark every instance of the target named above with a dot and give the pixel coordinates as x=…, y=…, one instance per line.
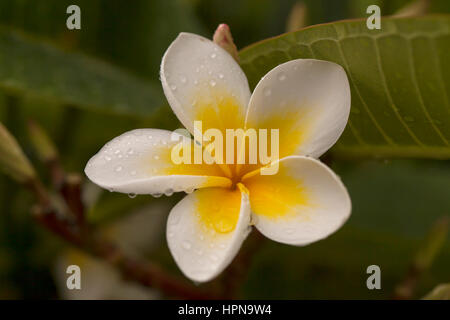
x=307, y=100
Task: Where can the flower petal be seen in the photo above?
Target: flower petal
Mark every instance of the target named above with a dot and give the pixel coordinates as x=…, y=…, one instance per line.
x=139, y=162
x=206, y=229
x=307, y=100
x=203, y=82
x=304, y=202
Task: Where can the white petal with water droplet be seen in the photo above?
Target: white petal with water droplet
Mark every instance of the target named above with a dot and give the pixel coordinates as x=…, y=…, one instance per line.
x=212, y=72
x=200, y=253
x=303, y=203
x=148, y=169
x=307, y=100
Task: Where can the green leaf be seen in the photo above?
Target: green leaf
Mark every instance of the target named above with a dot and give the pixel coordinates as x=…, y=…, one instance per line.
x=399, y=77
x=38, y=69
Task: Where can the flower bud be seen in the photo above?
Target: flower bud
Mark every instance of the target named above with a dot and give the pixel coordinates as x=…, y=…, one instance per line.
x=223, y=38
x=41, y=142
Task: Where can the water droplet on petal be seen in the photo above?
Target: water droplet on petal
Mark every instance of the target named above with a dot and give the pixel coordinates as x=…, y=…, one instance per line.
x=132, y=195
x=282, y=76
x=221, y=76
x=213, y=55
x=187, y=245
x=267, y=92
x=156, y=157
x=189, y=190
x=107, y=158
x=157, y=195
x=168, y=192
x=130, y=151
x=214, y=258
x=212, y=83
x=183, y=79
x=118, y=168
x=133, y=173
x=173, y=87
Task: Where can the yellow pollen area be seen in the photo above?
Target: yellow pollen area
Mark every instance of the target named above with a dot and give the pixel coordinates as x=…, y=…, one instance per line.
x=276, y=196
x=293, y=126
x=218, y=208
x=217, y=108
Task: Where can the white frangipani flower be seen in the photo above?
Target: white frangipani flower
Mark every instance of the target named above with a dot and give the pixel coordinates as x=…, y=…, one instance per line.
x=307, y=100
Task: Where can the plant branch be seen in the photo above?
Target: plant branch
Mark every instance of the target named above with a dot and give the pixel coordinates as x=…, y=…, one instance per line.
x=238, y=270
x=146, y=273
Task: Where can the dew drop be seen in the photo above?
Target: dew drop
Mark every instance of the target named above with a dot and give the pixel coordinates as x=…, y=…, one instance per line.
x=168, y=192
x=173, y=87
x=183, y=79
x=133, y=173
x=117, y=151
x=132, y=195
x=118, y=168
x=156, y=157
x=290, y=231
x=187, y=245
x=213, y=55
x=107, y=158
x=170, y=234
x=196, y=82
x=150, y=137
x=214, y=258
x=156, y=195
x=221, y=76
x=130, y=151
x=212, y=83
x=189, y=190
x=282, y=76
x=267, y=92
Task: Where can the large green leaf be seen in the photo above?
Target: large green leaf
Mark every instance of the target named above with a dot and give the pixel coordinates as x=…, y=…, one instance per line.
x=399, y=78
x=36, y=68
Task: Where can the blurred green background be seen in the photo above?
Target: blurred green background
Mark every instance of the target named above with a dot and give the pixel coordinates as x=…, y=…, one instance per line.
x=395, y=203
